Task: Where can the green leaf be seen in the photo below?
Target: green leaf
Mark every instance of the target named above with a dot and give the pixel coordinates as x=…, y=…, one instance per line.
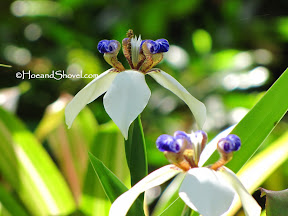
x=107, y=146
x=69, y=146
x=31, y=172
x=169, y=195
x=176, y=208
x=136, y=152
x=276, y=202
x=10, y=204
x=262, y=165
x=3, y=65
x=112, y=186
x=258, y=123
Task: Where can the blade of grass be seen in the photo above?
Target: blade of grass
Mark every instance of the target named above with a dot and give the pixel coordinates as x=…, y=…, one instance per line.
x=31, y=172
x=261, y=166
x=112, y=186
x=259, y=122
x=10, y=204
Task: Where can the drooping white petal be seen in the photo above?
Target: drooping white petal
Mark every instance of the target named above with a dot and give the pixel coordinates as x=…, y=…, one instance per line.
x=212, y=146
x=205, y=191
x=167, y=81
x=123, y=203
x=88, y=94
x=126, y=98
x=249, y=204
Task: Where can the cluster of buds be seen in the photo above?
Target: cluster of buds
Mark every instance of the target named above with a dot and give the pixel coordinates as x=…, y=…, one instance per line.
x=142, y=55
x=184, y=149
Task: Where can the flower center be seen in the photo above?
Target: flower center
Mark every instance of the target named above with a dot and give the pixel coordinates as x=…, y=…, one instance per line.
x=142, y=55
x=184, y=150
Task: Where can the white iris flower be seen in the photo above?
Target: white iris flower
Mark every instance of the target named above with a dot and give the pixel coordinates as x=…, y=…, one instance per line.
x=127, y=93
x=207, y=190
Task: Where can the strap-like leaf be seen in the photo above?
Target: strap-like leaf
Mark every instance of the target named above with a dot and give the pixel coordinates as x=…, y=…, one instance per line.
x=112, y=186
x=31, y=172
x=10, y=204
x=259, y=122
x=136, y=152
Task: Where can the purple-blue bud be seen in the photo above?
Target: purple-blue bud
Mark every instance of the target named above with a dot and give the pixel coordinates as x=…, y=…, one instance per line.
x=225, y=145
x=152, y=46
x=164, y=45
x=107, y=46
x=236, y=140
x=229, y=143
x=168, y=143
x=180, y=134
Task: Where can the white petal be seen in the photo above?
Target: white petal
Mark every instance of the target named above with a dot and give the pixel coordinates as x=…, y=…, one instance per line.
x=196, y=107
x=126, y=99
x=206, y=192
x=249, y=204
x=212, y=146
x=88, y=94
x=123, y=203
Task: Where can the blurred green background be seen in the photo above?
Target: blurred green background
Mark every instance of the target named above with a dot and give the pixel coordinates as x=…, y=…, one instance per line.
x=226, y=53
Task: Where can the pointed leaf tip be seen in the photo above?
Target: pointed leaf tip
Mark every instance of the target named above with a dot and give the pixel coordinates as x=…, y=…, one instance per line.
x=276, y=202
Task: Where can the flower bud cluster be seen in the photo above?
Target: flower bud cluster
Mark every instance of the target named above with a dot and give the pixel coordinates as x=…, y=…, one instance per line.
x=142, y=55
x=184, y=150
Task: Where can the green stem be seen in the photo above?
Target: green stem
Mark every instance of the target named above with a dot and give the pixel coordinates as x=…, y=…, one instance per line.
x=135, y=149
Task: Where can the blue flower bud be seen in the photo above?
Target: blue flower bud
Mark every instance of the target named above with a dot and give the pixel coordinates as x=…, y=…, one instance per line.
x=164, y=45
x=107, y=46
x=168, y=143
x=236, y=140
x=152, y=46
x=229, y=143
x=225, y=145
x=181, y=135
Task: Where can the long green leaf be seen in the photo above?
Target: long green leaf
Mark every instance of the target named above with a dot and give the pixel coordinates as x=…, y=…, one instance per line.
x=176, y=208
x=10, y=204
x=70, y=147
x=31, y=172
x=259, y=122
x=112, y=186
x=136, y=152
x=261, y=166
x=107, y=146
x=169, y=195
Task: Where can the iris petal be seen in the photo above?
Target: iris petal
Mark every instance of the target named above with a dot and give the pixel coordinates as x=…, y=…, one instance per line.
x=168, y=82
x=205, y=191
x=123, y=203
x=249, y=204
x=88, y=94
x=126, y=98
